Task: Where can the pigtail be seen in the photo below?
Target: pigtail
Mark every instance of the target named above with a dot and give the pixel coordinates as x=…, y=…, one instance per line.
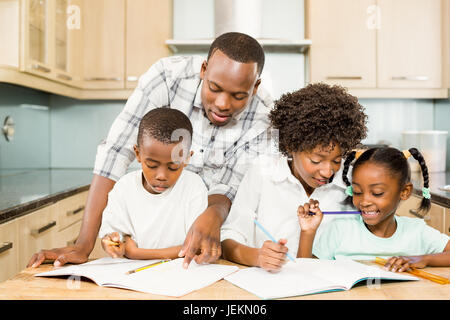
x=425, y=204
x=349, y=190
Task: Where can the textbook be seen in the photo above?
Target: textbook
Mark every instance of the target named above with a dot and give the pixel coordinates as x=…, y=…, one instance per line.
x=168, y=278
x=310, y=276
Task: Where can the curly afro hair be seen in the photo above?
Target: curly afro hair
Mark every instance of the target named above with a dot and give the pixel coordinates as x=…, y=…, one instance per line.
x=318, y=115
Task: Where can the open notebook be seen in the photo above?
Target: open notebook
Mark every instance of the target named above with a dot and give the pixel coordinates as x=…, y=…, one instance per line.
x=169, y=278
x=310, y=276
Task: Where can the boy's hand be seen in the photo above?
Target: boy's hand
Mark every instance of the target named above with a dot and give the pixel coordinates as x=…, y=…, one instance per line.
x=130, y=247
x=401, y=264
x=309, y=222
x=113, y=246
x=272, y=256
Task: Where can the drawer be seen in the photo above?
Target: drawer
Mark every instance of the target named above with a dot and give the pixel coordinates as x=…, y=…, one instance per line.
x=68, y=236
x=98, y=251
x=71, y=209
x=447, y=221
x=9, y=248
x=434, y=218
x=37, y=231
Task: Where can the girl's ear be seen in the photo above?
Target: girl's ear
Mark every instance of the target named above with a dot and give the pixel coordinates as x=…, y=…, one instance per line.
x=136, y=152
x=405, y=193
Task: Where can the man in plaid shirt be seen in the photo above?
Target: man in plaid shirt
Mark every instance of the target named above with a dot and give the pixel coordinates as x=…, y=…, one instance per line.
x=229, y=114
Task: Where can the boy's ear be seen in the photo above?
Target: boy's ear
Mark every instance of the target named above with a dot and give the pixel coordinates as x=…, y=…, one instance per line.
x=136, y=152
x=405, y=193
x=188, y=158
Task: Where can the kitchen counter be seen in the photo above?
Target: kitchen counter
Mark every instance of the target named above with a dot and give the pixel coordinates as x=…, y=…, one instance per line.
x=437, y=180
x=26, y=190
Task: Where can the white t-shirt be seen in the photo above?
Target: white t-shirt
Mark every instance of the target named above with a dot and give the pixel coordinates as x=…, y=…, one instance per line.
x=154, y=221
x=350, y=239
x=271, y=194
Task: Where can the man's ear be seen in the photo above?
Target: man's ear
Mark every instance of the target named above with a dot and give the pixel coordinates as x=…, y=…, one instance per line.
x=203, y=69
x=405, y=193
x=255, y=88
x=136, y=153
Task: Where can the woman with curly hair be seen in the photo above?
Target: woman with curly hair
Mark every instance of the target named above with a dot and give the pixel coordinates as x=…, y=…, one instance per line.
x=317, y=127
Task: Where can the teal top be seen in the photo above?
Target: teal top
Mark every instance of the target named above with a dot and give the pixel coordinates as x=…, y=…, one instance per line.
x=349, y=238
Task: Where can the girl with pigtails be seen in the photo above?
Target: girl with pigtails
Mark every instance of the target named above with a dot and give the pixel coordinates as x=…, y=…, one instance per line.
x=380, y=181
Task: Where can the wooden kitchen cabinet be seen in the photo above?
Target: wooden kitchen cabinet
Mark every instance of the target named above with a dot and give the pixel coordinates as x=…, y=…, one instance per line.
x=446, y=42
x=37, y=231
x=71, y=209
x=9, y=248
x=103, y=25
x=447, y=221
x=146, y=34
x=343, y=49
x=378, y=48
x=434, y=218
x=409, y=49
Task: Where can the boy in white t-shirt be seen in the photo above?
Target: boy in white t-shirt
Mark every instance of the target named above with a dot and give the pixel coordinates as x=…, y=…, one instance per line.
x=150, y=211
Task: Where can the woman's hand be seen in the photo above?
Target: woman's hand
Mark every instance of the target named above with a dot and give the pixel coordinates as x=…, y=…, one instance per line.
x=272, y=256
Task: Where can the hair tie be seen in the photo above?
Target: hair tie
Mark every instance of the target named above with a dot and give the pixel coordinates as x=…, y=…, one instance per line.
x=349, y=191
x=359, y=153
x=406, y=153
x=426, y=193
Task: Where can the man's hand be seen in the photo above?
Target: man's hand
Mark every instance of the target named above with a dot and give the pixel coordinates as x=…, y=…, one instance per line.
x=203, y=239
x=61, y=256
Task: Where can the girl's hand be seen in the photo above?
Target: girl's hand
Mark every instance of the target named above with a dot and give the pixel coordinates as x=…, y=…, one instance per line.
x=401, y=264
x=113, y=246
x=272, y=256
x=309, y=222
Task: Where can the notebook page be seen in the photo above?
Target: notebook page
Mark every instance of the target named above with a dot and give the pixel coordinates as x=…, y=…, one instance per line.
x=294, y=279
x=100, y=270
x=171, y=279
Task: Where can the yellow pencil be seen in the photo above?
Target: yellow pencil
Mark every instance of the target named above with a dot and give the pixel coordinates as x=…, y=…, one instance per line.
x=419, y=273
x=147, y=266
x=113, y=243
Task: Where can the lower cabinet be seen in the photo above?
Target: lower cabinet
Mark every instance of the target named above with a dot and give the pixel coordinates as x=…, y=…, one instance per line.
x=9, y=248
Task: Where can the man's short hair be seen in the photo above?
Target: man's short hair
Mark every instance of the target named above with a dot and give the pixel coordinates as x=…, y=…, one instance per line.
x=239, y=47
x=165, y=125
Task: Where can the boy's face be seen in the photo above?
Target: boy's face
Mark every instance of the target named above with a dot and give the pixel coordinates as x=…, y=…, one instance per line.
x=228, y=86
x=377, y=193
x=315, y=168
x=160, y=168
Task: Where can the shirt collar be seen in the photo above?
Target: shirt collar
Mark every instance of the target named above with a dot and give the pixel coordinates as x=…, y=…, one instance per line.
x=282, y=172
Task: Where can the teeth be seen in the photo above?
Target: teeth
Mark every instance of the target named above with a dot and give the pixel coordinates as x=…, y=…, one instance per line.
x=370, y=212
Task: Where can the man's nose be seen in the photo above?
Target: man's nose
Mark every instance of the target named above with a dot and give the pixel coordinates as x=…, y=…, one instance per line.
x=223, y=101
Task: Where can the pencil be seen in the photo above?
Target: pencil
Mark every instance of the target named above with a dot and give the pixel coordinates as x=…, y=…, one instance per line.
x=113, y=243
x=336, y=212
x=419, y=273
x=147, y=266
x=271, y=238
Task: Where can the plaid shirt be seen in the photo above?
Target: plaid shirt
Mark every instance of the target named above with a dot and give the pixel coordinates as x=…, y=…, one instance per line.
x=221, y=153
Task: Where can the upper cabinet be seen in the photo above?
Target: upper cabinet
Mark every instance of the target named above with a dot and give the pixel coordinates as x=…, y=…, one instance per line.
x=103, y=25
x=146, y=33
x=85, y=49
x=378, y=48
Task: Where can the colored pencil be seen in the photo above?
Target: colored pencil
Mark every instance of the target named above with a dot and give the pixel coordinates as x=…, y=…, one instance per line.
x=147, y=266
x=113, y=243
x=418, y=273
x=271, y=238
x=336, y=212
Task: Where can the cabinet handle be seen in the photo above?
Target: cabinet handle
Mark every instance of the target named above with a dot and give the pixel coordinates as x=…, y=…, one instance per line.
x=411, y=78
x=74, y=212
x=44, y=228
x=344, y=78
x=6, y=246
x=40, y=68
x=132, y=78
x=103, y=79
x=415, y=213
x=64, y=77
